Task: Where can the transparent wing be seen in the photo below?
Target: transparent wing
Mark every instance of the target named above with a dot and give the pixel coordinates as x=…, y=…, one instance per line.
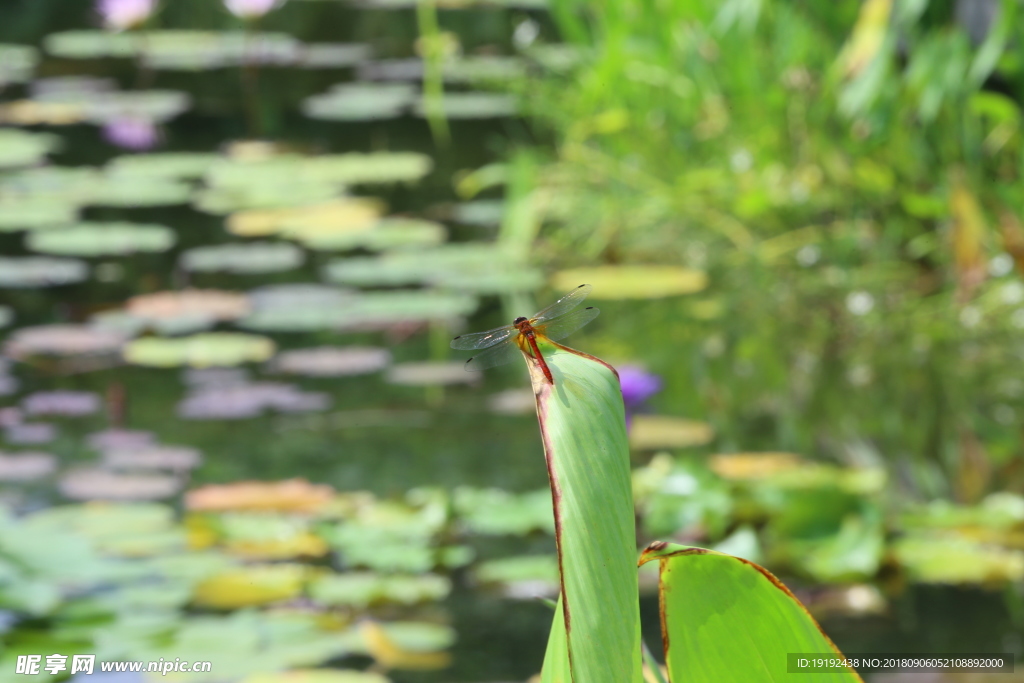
x=482, y=340
x=563, y=305
x=496, y=355
x=562, y=327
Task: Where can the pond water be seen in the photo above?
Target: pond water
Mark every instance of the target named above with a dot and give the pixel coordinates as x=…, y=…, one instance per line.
x=280, y=239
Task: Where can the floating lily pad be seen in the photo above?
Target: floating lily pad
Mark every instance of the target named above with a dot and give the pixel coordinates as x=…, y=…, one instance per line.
x=248, y=586
x=38, y=271
x=332, y=361
x=512, y=402
x=525, y=577
x=477, y=268
x=32, y=212
x=333, y=55
x=247, y=258
x=26, y=466
x=361, y=102
x=34, y=113
x=361, y=589
x=389, y=233
x=21, y=148
x=96, y=484
x=494, y=511
x=61, y=403
x=148, y=105
x=341, y=216
x=428, y=373
x=201, y=350
x=650, y=432
x=754, y=466
x=372, y=310
x=299, y=295
x=952, y=559
x=90, y=44
x=292, y=495
x=190, y=303
x=250, y=400
x=633, y=282
x=472, y=105
x=100, y=239
x=63, y=340
x=17, y=63
x=137, y=191
x=484, y=212
x=30, y=433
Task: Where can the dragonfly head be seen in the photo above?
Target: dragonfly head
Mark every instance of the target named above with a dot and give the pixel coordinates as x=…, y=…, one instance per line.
x=519, y=321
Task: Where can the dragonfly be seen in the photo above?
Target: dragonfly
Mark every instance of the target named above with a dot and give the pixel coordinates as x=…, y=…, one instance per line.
x=555, y=322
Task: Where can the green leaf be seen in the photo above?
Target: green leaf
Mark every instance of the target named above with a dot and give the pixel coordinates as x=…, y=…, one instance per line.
x=728, y=619
x=582, y=422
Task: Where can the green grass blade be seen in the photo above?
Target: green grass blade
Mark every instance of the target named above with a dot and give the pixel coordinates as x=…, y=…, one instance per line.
x=583, y=428
x=727, y=619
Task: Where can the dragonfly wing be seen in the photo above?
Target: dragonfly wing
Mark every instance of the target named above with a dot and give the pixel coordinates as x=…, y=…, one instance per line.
x=563, y=305
x=562, y=327
x=496, y=355
x=482, y=340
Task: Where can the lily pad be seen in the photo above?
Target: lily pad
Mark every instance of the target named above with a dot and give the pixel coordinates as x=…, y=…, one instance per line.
x=389, y=233
x=210, y=304
x=953, y=559
x=100, y=239
x=292, y=495
x=137, y=191
x=201, y=350
x=248, y=258
x=332, y=361
x=61, y=403
x=476, y=268
x=149, y=105
x=96, y=484
x=650, y=432
x=63, y=340
x=248, y=586
x=21, y=148
x=633, y=282
x=39, y=271
x=497, y=512
x=114, y=439
x=333, y=55
x=30, y=212
x=17, y=63
x=361, y=102
x=428, y=373
x=27, y=466
x=298, y=295
x=473, y=105
x=524, y=577
x=341, y=216
x=361, y=589
x=250, y=400
x=30, y=433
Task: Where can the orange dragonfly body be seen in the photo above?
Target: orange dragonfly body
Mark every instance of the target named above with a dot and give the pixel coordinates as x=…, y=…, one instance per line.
x=555, y=322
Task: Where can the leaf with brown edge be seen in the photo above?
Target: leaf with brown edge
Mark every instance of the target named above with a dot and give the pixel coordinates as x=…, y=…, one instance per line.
x=724, y=618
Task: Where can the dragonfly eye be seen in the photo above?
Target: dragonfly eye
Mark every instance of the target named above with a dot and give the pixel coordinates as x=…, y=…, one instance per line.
x=518, y=320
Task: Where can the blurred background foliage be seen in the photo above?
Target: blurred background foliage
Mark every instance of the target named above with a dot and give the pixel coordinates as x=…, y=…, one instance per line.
x=233, y=249
x=849, y=175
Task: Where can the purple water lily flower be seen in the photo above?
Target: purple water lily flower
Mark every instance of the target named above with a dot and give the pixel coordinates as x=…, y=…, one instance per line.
x=119, y=15
x=637, y=385
x=131, y=133
x=251, y=9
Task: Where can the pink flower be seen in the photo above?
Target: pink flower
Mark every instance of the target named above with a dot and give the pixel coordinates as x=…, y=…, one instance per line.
x=251, y=9
x=121, y=14
x=131, y=133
